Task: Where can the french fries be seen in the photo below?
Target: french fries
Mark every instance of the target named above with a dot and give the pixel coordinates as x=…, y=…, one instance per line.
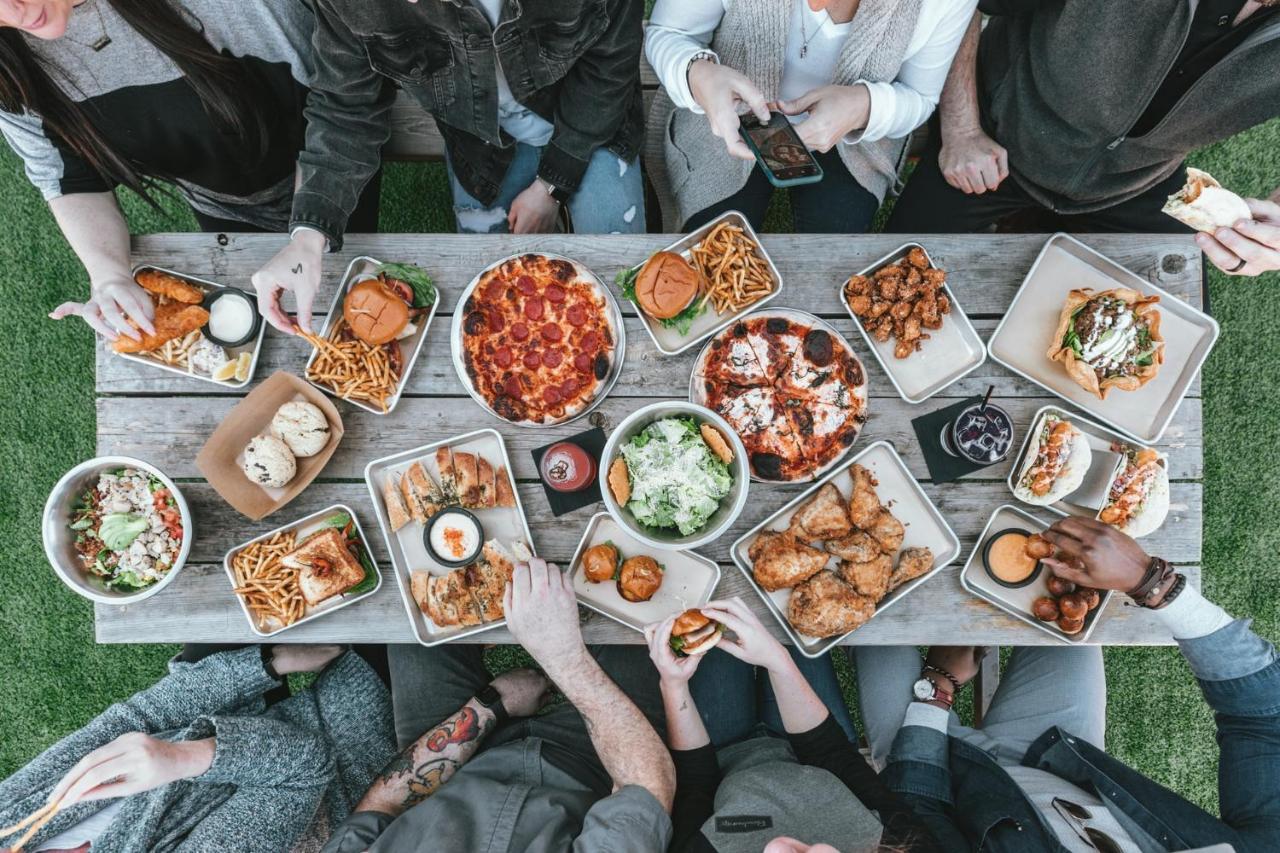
x=354, y=369
x=177, y=351
x=735, y=274
x=270, y=590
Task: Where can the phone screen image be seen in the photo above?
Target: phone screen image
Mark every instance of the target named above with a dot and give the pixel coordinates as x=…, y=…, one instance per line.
x=780, y=147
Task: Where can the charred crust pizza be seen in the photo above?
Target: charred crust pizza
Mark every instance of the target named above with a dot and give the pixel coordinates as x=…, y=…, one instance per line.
x=537, y=339
x=794, y=392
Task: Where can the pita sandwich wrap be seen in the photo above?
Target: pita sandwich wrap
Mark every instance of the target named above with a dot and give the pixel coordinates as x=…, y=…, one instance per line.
x=1205, y=205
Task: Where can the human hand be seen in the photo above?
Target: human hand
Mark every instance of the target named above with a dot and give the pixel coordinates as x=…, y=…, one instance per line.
x=752, y=643
x=673, y=670
x=533, y=211
x=961, y=661
x=130, y=764
x=972, y=162
x=287, y=659
x=1096, y=555
x=296, y=267
x=542, y=615
x=523, y=691
x=834, y=112
x=719, y=89
x=113, y=302
x=1255, y=241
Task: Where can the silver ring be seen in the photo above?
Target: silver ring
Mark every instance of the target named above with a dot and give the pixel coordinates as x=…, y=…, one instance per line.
x=1239, y=266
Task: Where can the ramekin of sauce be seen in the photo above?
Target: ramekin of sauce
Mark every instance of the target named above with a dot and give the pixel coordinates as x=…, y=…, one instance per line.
x=1005, y=559
x=233, y=317
x=566, y=467
x=453, y=537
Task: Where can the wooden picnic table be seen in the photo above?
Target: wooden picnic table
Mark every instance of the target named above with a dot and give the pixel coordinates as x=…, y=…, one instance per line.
x=164, y=419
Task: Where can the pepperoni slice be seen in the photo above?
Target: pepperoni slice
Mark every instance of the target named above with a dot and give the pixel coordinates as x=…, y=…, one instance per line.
x=551, y=396
x=569, y=387
x=552, y=358
x=513, y=387
x=582, y=361
x=532, y=360
x=577, y=314
x=533, y=308
x=493, y=289
x=555, y=293
x=527, y=285
x=551, y=332
x=495, y=320
x=519, y=332
x=590, y=342
x=503, y=357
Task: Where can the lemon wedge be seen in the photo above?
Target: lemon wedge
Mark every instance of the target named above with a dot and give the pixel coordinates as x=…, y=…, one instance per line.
x=242, y=364
x=226, y=372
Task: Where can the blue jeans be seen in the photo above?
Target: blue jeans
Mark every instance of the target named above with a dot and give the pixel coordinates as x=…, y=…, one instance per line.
x=735, y=699
x=610, y=199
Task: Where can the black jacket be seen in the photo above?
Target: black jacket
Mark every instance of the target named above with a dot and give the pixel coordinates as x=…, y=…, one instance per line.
x=576, y=63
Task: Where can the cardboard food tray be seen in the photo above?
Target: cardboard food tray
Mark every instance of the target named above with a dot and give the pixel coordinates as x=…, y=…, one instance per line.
x=1017, y=602
x=669, y=341
x=899, y=491
x=254, y=346
x=406, y=547
x=952, y=352
x=410, y=347
x=305, y=527
x=1024, y=336
x=614, y=315
x=250, y=417
x=689, y=579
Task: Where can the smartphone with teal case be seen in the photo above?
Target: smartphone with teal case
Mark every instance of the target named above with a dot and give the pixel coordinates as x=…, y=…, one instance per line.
x=783, y=157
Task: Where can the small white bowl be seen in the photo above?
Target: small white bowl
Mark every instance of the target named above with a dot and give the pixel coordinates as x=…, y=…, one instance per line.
x=59, y=538
x=730, y=505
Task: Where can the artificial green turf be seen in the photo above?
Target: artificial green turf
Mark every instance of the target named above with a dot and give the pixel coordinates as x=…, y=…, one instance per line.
x=55, y=677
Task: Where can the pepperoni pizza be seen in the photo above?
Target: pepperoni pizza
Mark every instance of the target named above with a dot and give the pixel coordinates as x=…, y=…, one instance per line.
x=791, y=388
x=537, y=339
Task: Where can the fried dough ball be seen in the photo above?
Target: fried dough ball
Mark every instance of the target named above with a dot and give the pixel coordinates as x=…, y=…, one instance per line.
x=1045, y=609
x=1070, y=626
x=1092, y=597
x=1059, y=586
x=1037, y=547
x=1073, y=606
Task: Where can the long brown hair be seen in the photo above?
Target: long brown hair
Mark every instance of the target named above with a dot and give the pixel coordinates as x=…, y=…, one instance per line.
x=222, y=83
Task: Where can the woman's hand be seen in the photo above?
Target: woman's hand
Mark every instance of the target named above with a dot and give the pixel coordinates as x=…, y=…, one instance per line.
x=834, y=112
x=113, y=302
x=523, y=691
x=972, y=162
x=533, y=211
x=1255, y=241
x=1096, y=555
x=719, y=90
x=130, y=764
x=752, y=643
x=296, y=267
x=673, y=670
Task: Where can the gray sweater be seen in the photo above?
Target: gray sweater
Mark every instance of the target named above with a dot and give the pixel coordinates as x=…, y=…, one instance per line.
x=282, y=777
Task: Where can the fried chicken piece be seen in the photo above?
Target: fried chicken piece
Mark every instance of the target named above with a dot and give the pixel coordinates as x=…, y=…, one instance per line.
x=172, y=320
x=824, y=606
x=887, y=530
x=864, y=504
x=887, y=287
x=917, y=258
x=910, y=329
x=857, y=547
x=823, y=516
x=783, y=561
x=858, y=285
x=879, y=308
x=912, y=563
x=860, y=305
x=163, y=284
x=883, y=330
x=934, y=277
x=870, y=578
x=903, y=349
x=900, y=310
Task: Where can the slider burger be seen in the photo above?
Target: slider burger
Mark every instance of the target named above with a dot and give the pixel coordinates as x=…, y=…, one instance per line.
x=1055, y=465
x=666, y=285
x=1138, y=500
x=694, y=634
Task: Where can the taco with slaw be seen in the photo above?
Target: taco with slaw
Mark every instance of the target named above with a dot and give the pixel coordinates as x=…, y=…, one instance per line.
x=1055, y=465
x=1138, y=500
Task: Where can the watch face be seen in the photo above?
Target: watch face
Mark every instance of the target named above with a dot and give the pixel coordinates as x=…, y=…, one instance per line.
x=923, y=689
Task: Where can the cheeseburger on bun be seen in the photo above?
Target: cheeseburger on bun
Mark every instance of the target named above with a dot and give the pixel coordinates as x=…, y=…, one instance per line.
x=380, y=309
x=695, y=634
x=666, y=285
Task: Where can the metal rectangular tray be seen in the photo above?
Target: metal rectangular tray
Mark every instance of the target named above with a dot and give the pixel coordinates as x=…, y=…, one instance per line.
x=407, y=550
x=412, y=345
x=1024, y=336
x=951, y=352
x=1017, y=602
x=254, y=346
x=325, y=607
x=669, y=341
x=688, y=578
x=925, y=527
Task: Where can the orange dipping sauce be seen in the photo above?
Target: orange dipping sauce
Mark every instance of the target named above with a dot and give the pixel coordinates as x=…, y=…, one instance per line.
x=1007, y=558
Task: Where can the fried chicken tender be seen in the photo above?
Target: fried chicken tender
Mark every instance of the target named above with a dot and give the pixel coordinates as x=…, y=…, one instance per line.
x=869, y=578
x=823, y=516
x=912, y=563
x=779, y=560
x=864, y=504
x=172, y=320
x=888, y=531
x=163, y=284
x=857, y=547
x=824, y=606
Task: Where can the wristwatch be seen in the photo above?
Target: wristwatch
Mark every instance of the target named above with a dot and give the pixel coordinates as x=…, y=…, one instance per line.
x=926, y=690
x=492, y=699
x=560, y=194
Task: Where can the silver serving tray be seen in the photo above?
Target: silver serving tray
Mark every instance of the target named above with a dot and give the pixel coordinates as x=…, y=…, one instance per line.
x=405, y=545
x=1024, y=336
x=324, y=608
x=412, y=345
x=1017, y=602
x=615, y=320
x=925, y=527
x=951, y=353
x=254, y=346
x=669, y=341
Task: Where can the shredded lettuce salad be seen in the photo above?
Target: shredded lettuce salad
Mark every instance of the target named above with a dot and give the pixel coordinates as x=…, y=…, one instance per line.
x=676, y=481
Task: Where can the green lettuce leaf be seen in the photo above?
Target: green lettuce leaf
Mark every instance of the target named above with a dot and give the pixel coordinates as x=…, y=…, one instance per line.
x=424, y=289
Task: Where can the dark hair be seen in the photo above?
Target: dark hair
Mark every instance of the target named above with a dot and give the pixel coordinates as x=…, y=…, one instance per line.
x=221, y=82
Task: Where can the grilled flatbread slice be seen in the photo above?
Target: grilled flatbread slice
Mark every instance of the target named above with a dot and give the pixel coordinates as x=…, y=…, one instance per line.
x=467, y=478
x=488, y=483
x=448, y=478
x=446, y=599
x=506, y=495
x=421, y=494
x=397, y=510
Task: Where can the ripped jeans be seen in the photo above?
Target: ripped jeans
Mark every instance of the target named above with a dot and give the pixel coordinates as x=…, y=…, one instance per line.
x=610, y=199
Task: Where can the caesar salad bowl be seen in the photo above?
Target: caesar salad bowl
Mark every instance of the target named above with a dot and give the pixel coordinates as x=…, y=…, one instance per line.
x=730, y=506
x=60, y=539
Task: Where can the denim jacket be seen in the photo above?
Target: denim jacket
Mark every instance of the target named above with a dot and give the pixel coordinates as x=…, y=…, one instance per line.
x=971, y=803
x=575, y=63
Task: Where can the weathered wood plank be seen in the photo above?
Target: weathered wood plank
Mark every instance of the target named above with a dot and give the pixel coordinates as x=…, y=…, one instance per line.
x=170, y=432
x=200, y=607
